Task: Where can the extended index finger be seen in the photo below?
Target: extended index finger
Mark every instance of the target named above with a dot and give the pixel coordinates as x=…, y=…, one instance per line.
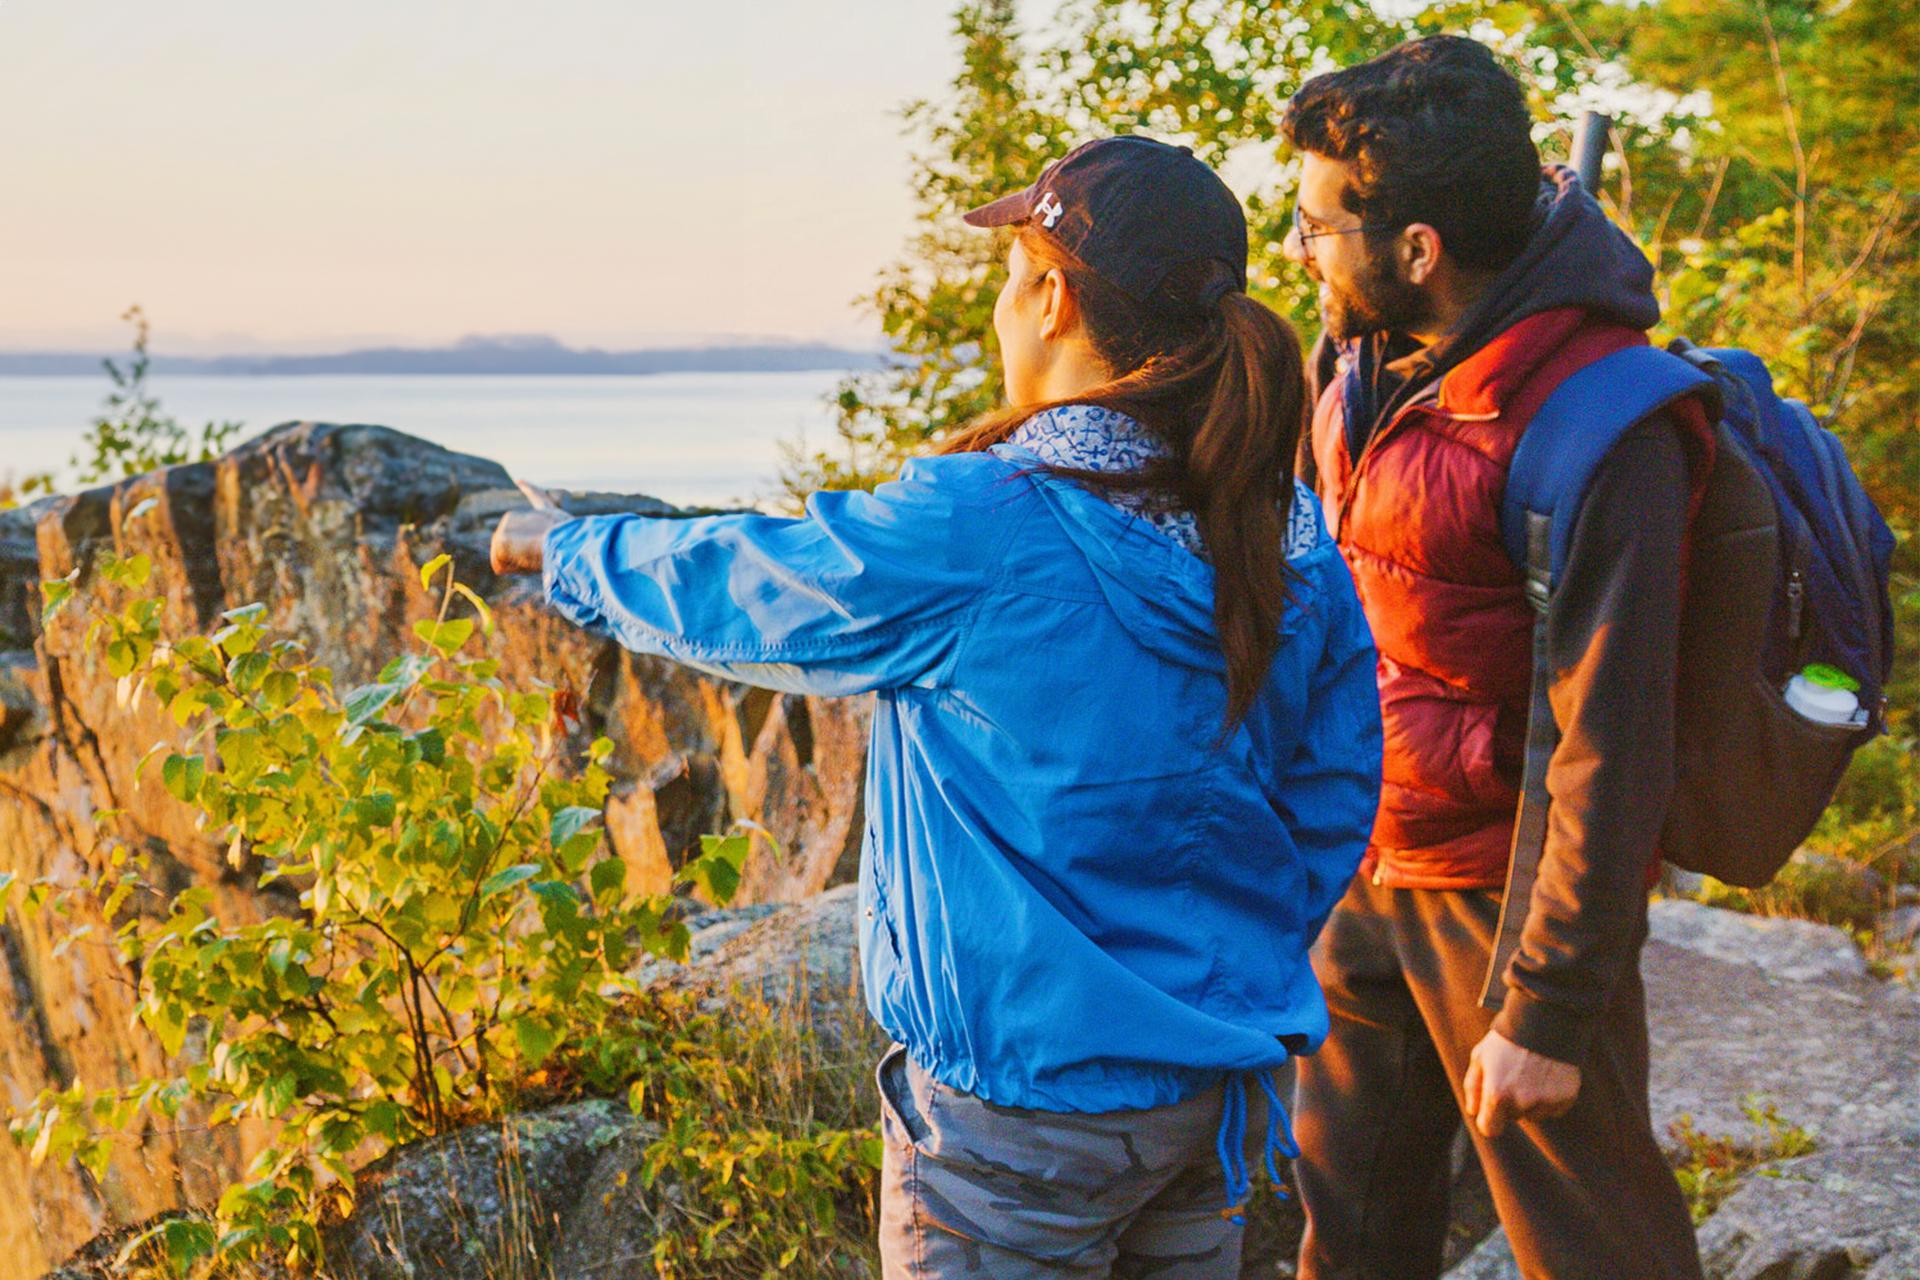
x=540, y=498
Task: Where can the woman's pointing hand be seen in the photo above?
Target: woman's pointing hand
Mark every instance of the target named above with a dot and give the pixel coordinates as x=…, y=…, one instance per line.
x=520, y=536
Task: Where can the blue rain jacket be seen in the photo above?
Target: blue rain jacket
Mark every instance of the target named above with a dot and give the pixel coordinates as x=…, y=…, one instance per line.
x=1074, y=896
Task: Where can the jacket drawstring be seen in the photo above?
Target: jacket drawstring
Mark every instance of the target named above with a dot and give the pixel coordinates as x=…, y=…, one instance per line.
x=1279, y=1130
x=1232, y=1143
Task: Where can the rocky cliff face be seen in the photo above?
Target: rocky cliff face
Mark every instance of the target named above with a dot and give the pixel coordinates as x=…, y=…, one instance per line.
x=326, y=526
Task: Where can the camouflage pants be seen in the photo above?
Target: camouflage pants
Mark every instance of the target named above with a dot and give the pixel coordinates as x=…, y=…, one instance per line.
x=969, y=1189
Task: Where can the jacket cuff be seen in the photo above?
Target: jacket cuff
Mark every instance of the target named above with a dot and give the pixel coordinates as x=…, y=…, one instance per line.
x=1552, y=1030
x=566, y=584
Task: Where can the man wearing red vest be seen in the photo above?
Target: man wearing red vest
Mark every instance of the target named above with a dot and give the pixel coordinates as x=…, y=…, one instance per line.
x=1460, y=283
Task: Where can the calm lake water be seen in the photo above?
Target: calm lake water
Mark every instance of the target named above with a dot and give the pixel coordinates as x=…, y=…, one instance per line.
x=687, y=438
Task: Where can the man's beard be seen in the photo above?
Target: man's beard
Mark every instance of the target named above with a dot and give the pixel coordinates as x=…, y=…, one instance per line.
x=1381, y=302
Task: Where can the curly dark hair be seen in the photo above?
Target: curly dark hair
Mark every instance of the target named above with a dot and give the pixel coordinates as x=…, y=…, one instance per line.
x=1436, y=131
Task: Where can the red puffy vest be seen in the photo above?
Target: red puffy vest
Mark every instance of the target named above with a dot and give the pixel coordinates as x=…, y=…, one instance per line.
x=1417, y=516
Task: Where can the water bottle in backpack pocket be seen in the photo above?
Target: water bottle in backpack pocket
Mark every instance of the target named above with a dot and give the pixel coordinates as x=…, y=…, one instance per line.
x=1826, y=694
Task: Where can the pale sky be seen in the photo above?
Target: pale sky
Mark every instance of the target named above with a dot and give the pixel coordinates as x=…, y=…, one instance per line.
x=265, y=174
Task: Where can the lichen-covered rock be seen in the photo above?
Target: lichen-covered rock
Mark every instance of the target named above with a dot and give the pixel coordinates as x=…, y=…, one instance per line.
x=1852, y=1213
x=470, y=1205
x=802, y=957
x=1838, y=1057
x=610, y=1231
x=1900, y=925
x=1784, y=949
x=1492, y=1260
x=1848, y=1214
x=22, y=711
x=19, y=562
x=325, y=526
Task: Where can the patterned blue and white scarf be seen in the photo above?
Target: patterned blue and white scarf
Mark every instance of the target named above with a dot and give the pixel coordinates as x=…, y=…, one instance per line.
x=1087, y=437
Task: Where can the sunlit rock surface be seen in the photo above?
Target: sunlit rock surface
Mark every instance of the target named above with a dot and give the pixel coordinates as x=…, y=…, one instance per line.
x=1781, y=1013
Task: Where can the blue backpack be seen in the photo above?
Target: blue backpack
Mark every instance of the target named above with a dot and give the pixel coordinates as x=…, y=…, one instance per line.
x=1788, y=567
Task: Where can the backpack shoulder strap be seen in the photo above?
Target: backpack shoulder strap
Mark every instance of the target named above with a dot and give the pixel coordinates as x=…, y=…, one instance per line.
x=1573, y=432
x=1561, y=449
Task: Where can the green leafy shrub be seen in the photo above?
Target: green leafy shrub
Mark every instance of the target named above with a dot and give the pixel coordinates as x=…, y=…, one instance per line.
x=1811, y=886
x=767, y=1132
x=1876, y=808
x=459, y=919
x=134, y=434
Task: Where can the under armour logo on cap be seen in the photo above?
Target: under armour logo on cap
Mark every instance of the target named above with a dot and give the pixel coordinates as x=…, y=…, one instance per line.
x=1140, y=209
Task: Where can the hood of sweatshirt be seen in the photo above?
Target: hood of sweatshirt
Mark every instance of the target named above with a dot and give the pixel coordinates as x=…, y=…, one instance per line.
x=1160, y=589
x=1576, y=257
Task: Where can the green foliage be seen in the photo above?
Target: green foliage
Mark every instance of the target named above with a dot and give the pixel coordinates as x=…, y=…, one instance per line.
x=16, y=492
x=766, y=1127
x=176, y=1245
x=1806, y=243
x=1876, y=812
x=1710, y=1167
x=1214, y=73
x=459, y=920
x=1811, y=886
x=134, y=435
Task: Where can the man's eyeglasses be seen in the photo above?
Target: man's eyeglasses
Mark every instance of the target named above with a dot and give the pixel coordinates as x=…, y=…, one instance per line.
x=1308, y=237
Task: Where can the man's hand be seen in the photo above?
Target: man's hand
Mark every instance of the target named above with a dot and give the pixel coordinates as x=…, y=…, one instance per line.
x=1506, y=1083
x=520, y=537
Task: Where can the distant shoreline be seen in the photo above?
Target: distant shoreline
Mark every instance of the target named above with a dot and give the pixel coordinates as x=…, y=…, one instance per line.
x=692, y=439
x=536, y=357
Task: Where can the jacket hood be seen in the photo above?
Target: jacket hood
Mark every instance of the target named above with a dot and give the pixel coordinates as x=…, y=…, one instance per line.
x=1162, y=593
x=1576, y=257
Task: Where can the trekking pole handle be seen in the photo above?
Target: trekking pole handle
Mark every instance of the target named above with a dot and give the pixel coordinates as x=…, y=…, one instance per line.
x=1590, y=147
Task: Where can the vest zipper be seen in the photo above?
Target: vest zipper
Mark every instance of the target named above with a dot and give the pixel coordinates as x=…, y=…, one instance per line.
x=1796, y=603
x=1428, y=395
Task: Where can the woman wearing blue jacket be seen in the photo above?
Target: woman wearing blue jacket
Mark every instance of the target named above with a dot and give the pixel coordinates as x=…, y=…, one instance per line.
x=1125, y=747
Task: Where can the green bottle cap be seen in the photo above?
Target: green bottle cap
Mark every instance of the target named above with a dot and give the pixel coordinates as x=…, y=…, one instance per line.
x=1829, y=677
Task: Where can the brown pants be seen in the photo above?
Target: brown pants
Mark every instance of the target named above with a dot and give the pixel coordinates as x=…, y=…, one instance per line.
x=1585, y=1196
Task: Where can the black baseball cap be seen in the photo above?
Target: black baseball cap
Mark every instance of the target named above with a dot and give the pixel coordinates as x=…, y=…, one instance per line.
x=1131, y=208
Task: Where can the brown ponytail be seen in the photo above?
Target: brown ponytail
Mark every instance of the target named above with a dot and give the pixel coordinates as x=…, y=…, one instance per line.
x=1218, y=377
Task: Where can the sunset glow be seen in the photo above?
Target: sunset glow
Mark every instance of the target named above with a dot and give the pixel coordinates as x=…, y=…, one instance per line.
x=306, y=177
